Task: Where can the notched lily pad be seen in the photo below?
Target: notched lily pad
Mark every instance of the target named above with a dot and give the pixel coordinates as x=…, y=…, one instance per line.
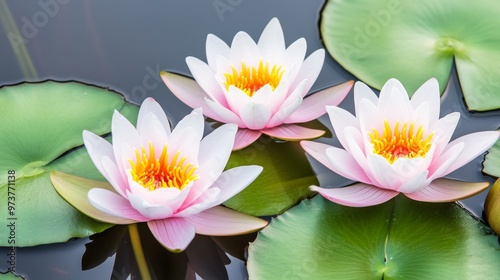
x=492, y=160
x=416, y=40
x=284, y=181
x=41, y=130
x=400, y=239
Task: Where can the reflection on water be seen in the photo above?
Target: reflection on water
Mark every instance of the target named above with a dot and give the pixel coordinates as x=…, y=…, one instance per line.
x=123, y=46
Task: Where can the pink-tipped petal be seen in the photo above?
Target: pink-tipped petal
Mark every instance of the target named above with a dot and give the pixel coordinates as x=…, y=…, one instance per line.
x=150, y=106
x=340, y=120
x=255, y=116
x=318, y=152
x=175, y=234
x=357, y=195
x=205, y=77
x=245, y=137
x=114, y=204
x=313, y=105
x=223, y=114
x=443, y=130
x=445, y=190
x=345, y=165
x=188, y=91
x=221, y=221
x=475, y=144
x=292, y=132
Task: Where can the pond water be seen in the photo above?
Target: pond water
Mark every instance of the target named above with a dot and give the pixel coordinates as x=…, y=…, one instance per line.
x=123, y=46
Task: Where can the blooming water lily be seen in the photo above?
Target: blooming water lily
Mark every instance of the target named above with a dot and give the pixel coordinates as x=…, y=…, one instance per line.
x=173, y=180
x=397, y=145
x=258, y=86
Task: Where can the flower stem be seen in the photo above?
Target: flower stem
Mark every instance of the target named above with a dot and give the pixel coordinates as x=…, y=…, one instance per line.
x=138, y=252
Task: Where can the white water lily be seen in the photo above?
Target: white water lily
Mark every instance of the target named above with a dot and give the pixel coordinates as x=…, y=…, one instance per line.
x=173, y=180
x=260, y=86
x=396, y=145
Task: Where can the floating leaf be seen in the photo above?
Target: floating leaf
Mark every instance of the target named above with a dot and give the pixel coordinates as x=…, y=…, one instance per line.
x=492, y=160
x=285, y=180
x=400, y=239
x=492, y=207
x=41, y=130
x=416, y=40
x=10, y=276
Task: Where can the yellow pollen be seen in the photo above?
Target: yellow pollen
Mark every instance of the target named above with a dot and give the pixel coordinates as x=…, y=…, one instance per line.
x=251, y=79
x=153, y=173
x=404, y=143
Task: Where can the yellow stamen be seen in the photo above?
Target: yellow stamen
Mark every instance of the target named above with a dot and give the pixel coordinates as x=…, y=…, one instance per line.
x=251, y=79
x=153, y=173
x=400, y=143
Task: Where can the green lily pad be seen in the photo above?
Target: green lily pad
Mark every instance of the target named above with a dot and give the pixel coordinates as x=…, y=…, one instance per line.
x=10, y=276
x=416, y=40
x=492, y=160
x=400, y=239
x=284, y=181
x=41, y=130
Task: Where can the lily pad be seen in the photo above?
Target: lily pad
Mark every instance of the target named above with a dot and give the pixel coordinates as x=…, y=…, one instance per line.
x=41, y=130
x=284, y=181
x=400, y=239
x=492, y=160
x=416, y=40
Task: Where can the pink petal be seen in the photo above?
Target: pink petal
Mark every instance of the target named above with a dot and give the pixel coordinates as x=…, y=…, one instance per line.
x=310, y=69
x=175, y=234
x=475, y=144
x=443, y=130
x=114, y=204
x=439, y=165
x=318, y=152
x=215, y=47
x=125, y=138
x=150, y=106
x=445, y=190
x=255, y=116
x=292, y=132
x=245, y=137
x=313, y=105
x=112, y=174
x=414, y=183
x=188, y=91
x=208, y=199
x=221, y=221
x=345, y=165
x=151, y=211
x=272, y=41
x=357, y=195
x=205, y=77
x=428, y=93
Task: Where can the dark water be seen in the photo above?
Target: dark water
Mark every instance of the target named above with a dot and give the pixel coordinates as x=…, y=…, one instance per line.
x=123, y=45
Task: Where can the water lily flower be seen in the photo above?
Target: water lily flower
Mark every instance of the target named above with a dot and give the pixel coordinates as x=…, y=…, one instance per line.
x=173, y=180
x=258, y=86
x=396, y=145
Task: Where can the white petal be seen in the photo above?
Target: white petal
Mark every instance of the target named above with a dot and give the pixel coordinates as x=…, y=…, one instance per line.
x=310, y=69
x=344, y=164
x=234, y=180
x=237, y=99
x=340, y=120
x=215, y=47
x=443, y=130
x=361, y=92
x=318, y=152
x=475, y=144
x=114, y=204
x=415, y=183
x=224, y=114
x=255, y=116
x=394, y=103
x=244, y=49
x=272, y=41
x=428, y=93
x=205, y=77
x=150, y=106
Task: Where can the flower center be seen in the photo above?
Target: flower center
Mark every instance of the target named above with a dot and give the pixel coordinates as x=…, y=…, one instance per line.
x=251, y=79
x=406, y=143
x=153, y=173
